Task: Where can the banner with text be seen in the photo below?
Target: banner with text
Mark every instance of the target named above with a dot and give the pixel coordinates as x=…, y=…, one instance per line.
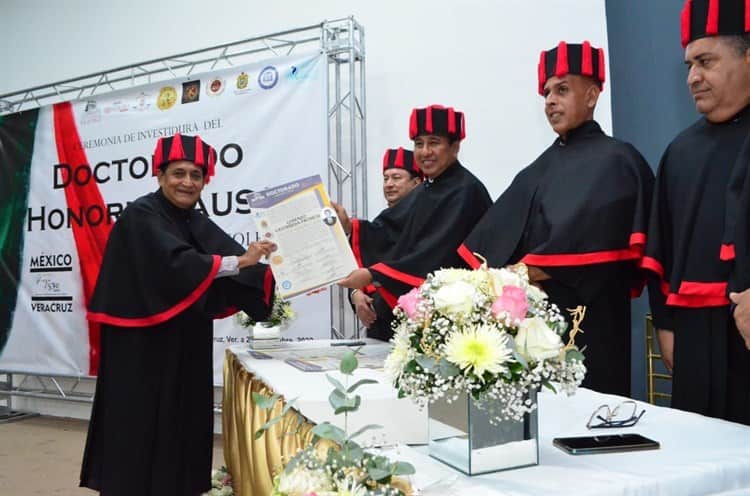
x=67, y=171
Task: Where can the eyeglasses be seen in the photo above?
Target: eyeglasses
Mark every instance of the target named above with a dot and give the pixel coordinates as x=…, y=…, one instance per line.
x=623, y=415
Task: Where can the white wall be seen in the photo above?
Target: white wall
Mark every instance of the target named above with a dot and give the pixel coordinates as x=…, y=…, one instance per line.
x=479, y=56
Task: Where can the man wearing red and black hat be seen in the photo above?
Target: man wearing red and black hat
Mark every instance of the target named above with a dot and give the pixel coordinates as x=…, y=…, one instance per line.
x=577, y=216
x=167, y=272
x=421, y=234
x=691, y=243
x=400, y=176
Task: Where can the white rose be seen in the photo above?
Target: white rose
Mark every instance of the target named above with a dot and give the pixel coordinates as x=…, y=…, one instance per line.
x=455, y=299
x=449, y=276
x=535, y=341
x=301, y=481
x=505, y=277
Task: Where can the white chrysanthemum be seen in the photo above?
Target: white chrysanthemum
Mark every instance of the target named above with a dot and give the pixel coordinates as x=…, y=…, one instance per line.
x=479, y=349
x=350, y=487
x=449, y=276
x=302, y=481
x=399, y=355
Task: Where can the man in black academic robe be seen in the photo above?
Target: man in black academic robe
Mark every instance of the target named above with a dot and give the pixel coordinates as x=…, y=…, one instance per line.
x=421, y=234
x=400, y=176
x=692, y=228
x=577, y=216
x=167, y=272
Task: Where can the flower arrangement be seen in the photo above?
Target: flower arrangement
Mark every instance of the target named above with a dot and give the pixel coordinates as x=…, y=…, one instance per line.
x=335, y=464
x=486, y=332
x=221, y=483
x=281, y=314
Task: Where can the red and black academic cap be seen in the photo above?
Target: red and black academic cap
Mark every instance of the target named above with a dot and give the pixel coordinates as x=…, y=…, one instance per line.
x=190, y=148
x=568, y=58
x=438, y=120
x=704, y=18
x=401, y=159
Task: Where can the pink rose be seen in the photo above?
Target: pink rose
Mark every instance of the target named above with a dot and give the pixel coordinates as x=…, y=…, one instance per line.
x=409, y=301
x=512, y=301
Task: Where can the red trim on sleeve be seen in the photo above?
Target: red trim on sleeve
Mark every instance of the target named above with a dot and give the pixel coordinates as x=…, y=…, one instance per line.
x=653, y=265
x=727, y=251
x=685, y=23
x=158, y=318
x=226, y=313
x=397, y=274
x=469, y=257
x=388, y=297
x=587, y=63
x=693, y=301
x=594, y=257
x=712, y=21
x=355, y=243
x=267, y=285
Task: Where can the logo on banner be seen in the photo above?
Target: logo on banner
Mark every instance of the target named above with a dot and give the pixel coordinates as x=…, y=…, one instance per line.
x=47, y=294
x=242, y=81
x=91, y=113
x=268, y=77
x=302, y=71
x=191, y=91
x=167, y=98
x=215, y=87
x=141, y=102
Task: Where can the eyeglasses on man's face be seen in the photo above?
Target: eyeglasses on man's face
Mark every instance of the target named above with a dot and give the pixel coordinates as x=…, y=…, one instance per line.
x=623, y=415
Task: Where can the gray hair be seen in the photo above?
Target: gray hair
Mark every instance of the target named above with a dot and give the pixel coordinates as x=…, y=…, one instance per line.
x=740, y=43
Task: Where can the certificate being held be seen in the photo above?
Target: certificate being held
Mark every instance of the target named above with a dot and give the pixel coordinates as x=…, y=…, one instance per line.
x=313, y=251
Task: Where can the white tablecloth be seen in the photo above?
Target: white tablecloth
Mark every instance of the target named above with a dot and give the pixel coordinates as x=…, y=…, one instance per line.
x=698, y=455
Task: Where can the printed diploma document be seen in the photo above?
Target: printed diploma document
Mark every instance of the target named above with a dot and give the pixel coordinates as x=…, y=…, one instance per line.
x=313, y=251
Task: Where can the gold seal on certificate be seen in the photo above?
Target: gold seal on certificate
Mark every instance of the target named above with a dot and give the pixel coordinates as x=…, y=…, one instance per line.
x=313, y=250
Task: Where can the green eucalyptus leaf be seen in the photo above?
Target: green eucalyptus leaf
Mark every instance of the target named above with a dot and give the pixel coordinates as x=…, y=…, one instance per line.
x=364, y=429
x=403, y=468
x=573, y=354
x=447, y=369
x=359, y=383
x=329, y=431
x=426, y=362
x=349, y=363
x=336, y=383
x=549, y=386
x=378, y=474
x=338, y=399
x=264, y=402
x=271, y=422
x=288, y=405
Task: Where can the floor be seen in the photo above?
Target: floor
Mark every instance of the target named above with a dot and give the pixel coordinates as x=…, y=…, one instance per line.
x=42, y=456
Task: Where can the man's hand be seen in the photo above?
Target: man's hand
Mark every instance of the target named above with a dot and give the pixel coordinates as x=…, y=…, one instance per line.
x=255, y=252
x=536, y=275
x=346, y=222
x=742, y=314
x=363, y=308
x=666, y=346
x=357, y=279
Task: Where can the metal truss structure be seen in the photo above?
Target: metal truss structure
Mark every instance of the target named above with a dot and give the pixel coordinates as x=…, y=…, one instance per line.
x=343, y=43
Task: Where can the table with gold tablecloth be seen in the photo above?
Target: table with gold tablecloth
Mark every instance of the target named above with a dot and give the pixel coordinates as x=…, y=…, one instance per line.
x=253, y=463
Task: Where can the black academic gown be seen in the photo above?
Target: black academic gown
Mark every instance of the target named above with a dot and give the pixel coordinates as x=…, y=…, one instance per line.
x=691, y=253
x=579, y=212
x=151, y=429
x=417, y=236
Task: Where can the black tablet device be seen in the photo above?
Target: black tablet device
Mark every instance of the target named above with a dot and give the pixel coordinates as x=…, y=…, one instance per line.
x=613, y=443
